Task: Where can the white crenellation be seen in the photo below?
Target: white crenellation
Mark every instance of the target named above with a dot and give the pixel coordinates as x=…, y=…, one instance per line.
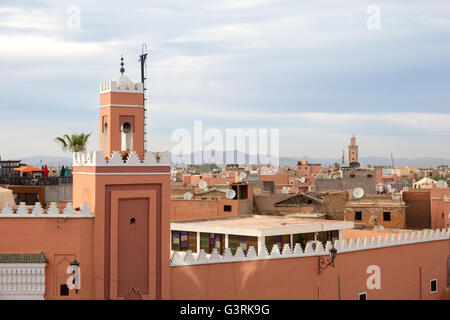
x=342, y=246
x=189, y=258
x=319, y=248
x=202, y=257
x=263, y=252
x=7, y=210
x=298, y=250
x=53, y=209
x=215, y=254
x=251, y=253
x=116, y=159
x=350, y=244
x=97, y=159
x=239, y=253
x=133, y=159
x=328, y=246
x=22, y=209
x=127, y=86
x=275, y=251
x=309, y=248
x=228, y=255
x=286, y=250
x=52, y=212
x=37, y=209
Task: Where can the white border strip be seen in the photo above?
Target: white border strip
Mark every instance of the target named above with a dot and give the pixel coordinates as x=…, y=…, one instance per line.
x=120, y=173
x=121, y=105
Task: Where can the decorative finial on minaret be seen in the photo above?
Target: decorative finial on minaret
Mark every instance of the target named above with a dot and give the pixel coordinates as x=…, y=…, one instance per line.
x=122, y=69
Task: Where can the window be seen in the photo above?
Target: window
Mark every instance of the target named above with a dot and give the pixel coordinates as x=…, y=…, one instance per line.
x=183, y=241
x=433, y=286
x=244, y=192
x=235, y=241
x=358, y=215
x=64, y=290
x=127, y=137
x=386, y=216
x=105, y=136
x=362, y=296
x=227, y=208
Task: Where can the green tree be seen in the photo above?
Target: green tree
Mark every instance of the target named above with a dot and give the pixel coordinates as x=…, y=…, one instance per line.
x=74, y=142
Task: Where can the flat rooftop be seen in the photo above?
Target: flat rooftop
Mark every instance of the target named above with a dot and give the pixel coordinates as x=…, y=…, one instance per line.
x=260, y=225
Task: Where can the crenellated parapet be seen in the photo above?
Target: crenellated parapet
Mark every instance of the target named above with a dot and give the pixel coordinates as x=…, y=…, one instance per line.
x=23, y=211
x=312, y=248
x=122, y=84
x=97, y=159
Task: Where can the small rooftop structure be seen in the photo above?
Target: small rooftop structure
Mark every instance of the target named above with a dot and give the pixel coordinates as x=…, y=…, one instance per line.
x=261, y=225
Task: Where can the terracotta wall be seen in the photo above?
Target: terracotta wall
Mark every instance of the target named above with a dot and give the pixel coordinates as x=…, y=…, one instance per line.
x=279, y=178
x=198, y=209
x=405, y=273
x=60, y=240
x=417, y=208
x=440, y=208
x=397, y=216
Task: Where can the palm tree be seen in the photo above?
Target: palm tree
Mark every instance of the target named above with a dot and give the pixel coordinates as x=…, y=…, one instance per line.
x=74, y=142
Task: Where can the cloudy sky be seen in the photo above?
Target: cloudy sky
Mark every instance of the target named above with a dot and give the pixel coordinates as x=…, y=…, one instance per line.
x=319, y=71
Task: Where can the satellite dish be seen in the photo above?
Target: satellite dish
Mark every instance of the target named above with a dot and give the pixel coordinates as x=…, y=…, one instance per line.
x=358, y=193
x=230, y=194
x=203, y=185
x=187, y=196
x=285, y=190
x=242, y=176
x=302, y=179
x=355, y=165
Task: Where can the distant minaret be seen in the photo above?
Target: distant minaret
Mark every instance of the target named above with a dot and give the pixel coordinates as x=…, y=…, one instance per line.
x=343, y=159
x=352, y=150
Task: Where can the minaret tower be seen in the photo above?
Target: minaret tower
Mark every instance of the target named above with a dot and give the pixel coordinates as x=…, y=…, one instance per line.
x=128, y=190
x=352, y=150
x=122, y=116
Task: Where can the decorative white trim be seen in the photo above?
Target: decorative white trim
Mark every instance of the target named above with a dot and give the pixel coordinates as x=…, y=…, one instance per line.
x=97, y=159
x=22, y=281
x=120, y=173
x=312, y=248
x=52, y=212
x=122, y=105
x=112, y=86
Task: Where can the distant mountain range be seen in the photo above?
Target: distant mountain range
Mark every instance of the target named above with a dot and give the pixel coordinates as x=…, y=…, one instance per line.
x=46, y=160
x=284, y=161
x=373, y=161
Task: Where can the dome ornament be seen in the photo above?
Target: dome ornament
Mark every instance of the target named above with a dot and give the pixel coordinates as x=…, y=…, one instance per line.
x=122, y=69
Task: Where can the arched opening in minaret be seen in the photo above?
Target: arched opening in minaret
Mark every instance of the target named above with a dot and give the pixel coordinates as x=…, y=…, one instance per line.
x=127, y=136
x=105, y=136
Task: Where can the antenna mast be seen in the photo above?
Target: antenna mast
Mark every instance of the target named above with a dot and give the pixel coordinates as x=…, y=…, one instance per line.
x=142, y=59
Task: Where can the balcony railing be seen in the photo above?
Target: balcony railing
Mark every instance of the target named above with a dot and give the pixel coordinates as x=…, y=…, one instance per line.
x=42, y=181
